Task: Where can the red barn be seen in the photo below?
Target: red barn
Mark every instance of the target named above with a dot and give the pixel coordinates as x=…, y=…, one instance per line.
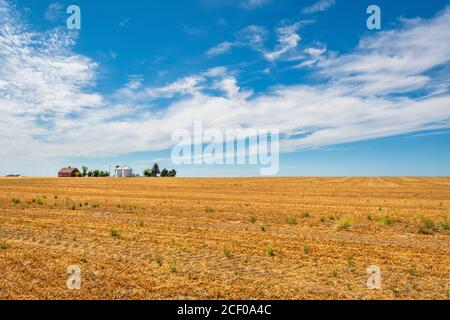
x=68, y=172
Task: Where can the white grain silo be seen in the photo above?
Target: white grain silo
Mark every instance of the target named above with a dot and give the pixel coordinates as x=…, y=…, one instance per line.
x=124, y=172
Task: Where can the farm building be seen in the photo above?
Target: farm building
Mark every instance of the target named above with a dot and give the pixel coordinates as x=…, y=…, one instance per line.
x=68, y=172
x=124, y=172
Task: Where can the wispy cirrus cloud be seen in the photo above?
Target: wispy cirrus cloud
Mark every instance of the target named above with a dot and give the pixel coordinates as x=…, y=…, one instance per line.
x=191, y=30
x=321, y=5
x=54, y=12
x=124, y=22
x=220, y=49
x=288, y=39
x=252, y=4
x=397, y=61
x=241, y=4
x=254, y=37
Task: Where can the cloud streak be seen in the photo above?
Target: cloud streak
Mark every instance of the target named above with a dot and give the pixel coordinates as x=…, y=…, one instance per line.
x=320, y=6
x=254, y=37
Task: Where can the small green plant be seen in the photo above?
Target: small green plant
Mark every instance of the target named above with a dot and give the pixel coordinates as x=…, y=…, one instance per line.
x=386, y=220
x=38, y=201
x=331, y=217
x=74, y=207
x=413, y=271
x=15, y=200
x=427, y=226
x=83, y=258
x=345, y=224
x=306, y=249
x=253, y=219
x=263, y=228
x=114, y=233
x=141, y=223
x=334, y=273
x=3, y=245
x=184, y=248
x=446, y=224
x=159, y=261
x=292, y=221
x=270, y=251
x=322, y=219
x=227, y=253
x=350, y=261
x=209, y=210
x=306, y=214
x=56, y=197
x=173, y=267
x=369, y=217
x=95, y=205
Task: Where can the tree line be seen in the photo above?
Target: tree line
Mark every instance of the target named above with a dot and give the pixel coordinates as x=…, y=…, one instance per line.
x=92, y=173
x=155, y=172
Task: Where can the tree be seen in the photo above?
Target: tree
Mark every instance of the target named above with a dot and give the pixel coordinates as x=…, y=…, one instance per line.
x=155, y=170
x=172, y=173
x=79, y=175
x=84, y=170
x=90, y=174
x=147, y=173
x=96, y=173
x=164, y=173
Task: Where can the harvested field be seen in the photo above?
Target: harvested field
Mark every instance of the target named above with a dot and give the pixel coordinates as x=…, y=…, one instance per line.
x=277, y=238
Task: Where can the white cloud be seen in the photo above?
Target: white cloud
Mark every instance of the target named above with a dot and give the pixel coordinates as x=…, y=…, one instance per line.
x=288, y=39
x=50, y=107
x=188, y=85
x=220, y=49
x=311, y=56
x=193, y=31
x=322, y=5
x=54, y=12
x=395, y=61
x=254, y=37
x=242, y=4
x=113, y=54
x=252, y=4
x=124, y=22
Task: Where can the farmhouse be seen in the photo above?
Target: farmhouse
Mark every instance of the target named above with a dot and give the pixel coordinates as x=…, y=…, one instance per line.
x=68, y=172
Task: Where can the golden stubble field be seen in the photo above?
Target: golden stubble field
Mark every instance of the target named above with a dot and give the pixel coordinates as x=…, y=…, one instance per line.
x=280, y=238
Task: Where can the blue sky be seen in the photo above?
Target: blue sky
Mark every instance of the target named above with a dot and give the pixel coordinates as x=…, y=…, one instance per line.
x=347, y=100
